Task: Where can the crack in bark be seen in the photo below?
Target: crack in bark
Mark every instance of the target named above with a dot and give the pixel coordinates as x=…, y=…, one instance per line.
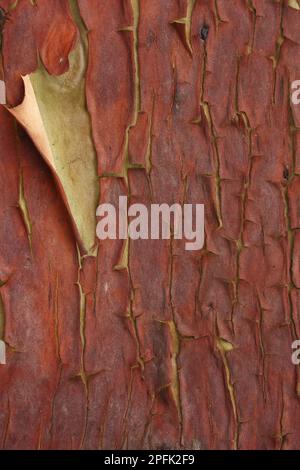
x=22, y=204
x=224, y=347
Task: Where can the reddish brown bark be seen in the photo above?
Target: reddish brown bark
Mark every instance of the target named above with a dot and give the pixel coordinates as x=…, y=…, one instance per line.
x=168, y=348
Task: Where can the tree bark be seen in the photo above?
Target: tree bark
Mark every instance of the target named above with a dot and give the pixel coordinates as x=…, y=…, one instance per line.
x=142, y=344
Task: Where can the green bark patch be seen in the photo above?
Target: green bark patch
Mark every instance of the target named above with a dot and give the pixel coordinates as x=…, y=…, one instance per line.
x=55, y=115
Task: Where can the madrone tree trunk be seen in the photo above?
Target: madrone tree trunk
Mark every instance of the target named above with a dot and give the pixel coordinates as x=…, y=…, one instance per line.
x=141, y=344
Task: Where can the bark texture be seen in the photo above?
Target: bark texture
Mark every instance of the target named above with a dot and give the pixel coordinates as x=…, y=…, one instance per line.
x=143, y=344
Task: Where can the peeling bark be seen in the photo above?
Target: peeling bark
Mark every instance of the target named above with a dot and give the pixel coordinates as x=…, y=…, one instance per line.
x=141, y=344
